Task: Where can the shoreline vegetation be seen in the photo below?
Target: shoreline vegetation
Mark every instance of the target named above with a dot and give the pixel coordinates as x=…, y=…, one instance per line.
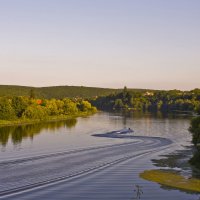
x=49, y=119
x=151, y=101
x=172, y=179
x=21, y=110
x=195, y=130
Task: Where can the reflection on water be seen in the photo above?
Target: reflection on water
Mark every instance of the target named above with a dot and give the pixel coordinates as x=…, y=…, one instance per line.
x=158, y=115
x=159, y=124
x=26, y=140
x=18, y=133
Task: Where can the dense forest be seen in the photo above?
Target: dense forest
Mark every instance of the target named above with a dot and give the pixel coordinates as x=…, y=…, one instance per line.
x=165, y=101
x=109, y=99
x=57, y=92
x=31, y=108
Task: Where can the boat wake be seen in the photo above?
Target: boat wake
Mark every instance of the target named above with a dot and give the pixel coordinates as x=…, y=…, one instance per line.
x=24, y=177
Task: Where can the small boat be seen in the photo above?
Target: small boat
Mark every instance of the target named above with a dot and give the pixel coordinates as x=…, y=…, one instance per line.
x=124, y=131
x=117, y=133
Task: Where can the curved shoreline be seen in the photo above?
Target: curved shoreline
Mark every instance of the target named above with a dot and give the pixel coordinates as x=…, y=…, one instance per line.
x=171, y=179
x=4, y=123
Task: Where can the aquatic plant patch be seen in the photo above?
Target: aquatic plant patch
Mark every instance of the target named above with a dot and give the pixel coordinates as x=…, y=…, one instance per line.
x=171, y=179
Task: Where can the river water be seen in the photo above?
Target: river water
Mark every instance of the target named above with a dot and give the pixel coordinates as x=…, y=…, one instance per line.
x=28, y=140
x=48, y=160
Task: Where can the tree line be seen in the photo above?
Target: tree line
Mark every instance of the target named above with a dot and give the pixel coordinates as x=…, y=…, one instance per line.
x=195, y=130
x=165, y=101
x=22, y=107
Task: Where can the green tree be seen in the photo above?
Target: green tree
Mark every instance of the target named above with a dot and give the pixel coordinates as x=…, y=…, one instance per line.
x=124, y=93
x=6, y=110
x=69, y=107
x=52, y=107
x=118, y=104
x=195, y=130
x=32, y=94
x=60, y=105
x=19, y=104
x=85, y=106
x=197, y=108
x=35, y=112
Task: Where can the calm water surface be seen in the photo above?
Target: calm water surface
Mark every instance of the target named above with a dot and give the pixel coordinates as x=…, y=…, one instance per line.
x=44, y=138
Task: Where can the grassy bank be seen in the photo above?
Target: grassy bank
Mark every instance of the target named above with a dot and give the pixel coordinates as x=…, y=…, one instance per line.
x=48, y=119
x=171, y=179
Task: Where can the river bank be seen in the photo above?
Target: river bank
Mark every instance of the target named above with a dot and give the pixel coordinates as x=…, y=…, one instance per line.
x=173, y=179
x=48, y=119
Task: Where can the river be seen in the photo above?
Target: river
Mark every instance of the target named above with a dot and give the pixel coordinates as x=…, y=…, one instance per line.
x=64, y=160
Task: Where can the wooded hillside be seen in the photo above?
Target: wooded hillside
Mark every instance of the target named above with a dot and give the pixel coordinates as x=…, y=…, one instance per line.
x=57, y=92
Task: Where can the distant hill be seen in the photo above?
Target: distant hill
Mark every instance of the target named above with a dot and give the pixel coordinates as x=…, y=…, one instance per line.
x=57, y=92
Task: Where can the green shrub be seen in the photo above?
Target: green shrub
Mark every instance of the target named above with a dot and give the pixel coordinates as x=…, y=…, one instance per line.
x=6, y=110
x=195, y=130
x=19, y=105
x=35, y=112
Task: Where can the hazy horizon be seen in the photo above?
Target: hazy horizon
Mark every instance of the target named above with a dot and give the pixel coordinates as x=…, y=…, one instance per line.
x=89, y=86
x=151, y=44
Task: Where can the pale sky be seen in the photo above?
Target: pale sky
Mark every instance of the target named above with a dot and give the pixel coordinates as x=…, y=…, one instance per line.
x=101, y=43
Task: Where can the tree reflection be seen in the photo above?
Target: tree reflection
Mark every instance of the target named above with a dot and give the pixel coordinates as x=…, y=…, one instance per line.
x=70, y=123
x=158, y=115
x=4, y=135
x=18, y=133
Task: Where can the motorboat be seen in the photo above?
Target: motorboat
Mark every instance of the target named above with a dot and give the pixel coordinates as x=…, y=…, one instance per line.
x=124, y=131
x=117, y=133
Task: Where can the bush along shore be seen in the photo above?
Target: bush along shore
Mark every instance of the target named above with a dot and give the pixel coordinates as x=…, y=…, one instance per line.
x=27, y=110
x=195, y=130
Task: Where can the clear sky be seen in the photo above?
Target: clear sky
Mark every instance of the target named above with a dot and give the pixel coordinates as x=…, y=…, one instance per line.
x=103, y=43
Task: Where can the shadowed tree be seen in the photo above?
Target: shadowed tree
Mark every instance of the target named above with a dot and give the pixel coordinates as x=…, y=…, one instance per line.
x=195, y=130
x=32, y=94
